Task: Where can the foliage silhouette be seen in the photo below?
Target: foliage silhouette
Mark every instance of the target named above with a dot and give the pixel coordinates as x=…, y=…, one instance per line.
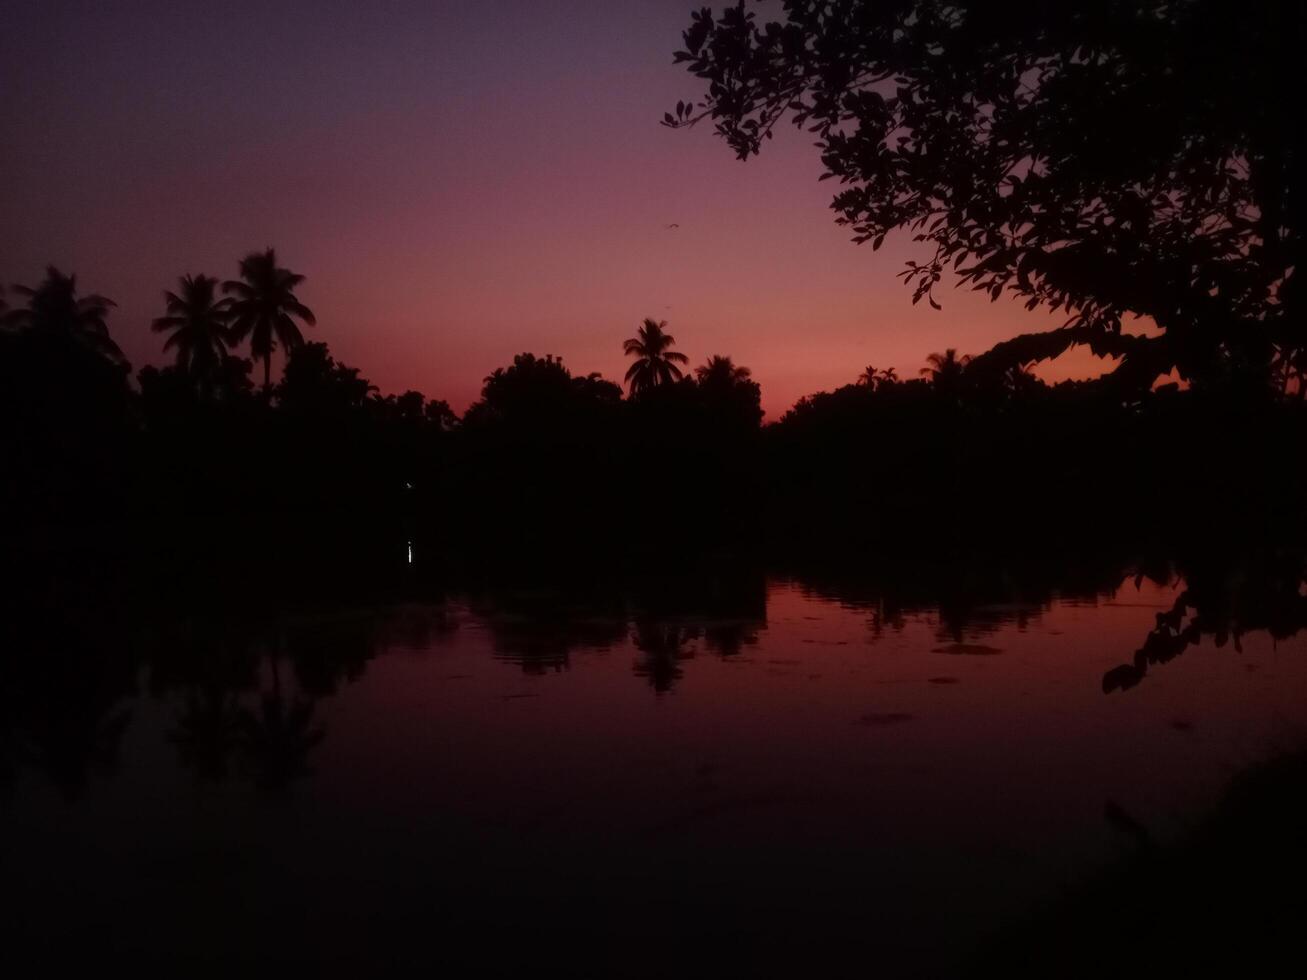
x=197, y=325
x=66, y=417
x=264, y=308
x=1105, y=161
x=872, y=377
x=945, y=370
x=55, y=311
x=655, y=362
x=721, y=372
x=548, y=464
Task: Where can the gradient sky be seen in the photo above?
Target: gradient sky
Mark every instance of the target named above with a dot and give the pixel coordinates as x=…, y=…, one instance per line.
x=460, y=182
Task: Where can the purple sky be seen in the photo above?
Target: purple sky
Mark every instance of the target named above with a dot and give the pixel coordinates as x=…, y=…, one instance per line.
x=459, y=181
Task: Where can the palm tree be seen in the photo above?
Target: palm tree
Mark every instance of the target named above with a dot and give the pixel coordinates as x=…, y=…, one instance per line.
x=265, y=307
x=873, y=377
x=945, y=369
x=719, y=371
x=55, y=310
x=198, y=321
x=655, y=362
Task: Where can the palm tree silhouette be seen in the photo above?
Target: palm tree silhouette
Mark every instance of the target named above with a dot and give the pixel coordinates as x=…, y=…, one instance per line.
x=719, y=371
x=945, y=369
x=874, y=377
x=655, y=362
x=55, y=310
x=264, y=309
x=198, y=322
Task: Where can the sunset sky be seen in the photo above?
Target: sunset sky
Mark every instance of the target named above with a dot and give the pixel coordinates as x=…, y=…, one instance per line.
x=460, y=182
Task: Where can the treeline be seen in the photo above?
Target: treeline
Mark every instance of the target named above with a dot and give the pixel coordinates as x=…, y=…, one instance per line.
x=198, y=456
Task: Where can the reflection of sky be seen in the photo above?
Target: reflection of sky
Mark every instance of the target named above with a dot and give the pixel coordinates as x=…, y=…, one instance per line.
x=822, y=770
x=460, y=181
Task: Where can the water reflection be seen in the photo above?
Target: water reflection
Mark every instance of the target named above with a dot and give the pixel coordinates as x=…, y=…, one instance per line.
x=1224, y=602
x=245, y=690
x=619, y=739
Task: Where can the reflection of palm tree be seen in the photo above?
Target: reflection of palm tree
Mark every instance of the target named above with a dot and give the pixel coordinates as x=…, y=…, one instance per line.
x=655, y=361
x=278, y=739
x=721, y=372
x=208, y=732
x=265, y=308
x=661, y=643
x=198, y=324
x=945, y=369
x=55, y=310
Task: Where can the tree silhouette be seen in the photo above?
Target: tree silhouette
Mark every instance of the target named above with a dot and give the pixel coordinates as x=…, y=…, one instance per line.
x=1101, y=159
x=873, y=377
x=945, y=370
x=315, y=382
x=55, y=311
x=264, y=308
x=721, y=372
x=196, y=322
x=655, y=362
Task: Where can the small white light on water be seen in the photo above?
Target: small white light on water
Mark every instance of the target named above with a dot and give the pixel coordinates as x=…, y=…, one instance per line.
x=410, y=552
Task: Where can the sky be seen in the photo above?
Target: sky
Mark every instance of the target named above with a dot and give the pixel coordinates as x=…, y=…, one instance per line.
x=460, y=182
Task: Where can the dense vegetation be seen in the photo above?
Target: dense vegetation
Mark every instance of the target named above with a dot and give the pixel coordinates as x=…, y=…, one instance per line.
x=548, y=464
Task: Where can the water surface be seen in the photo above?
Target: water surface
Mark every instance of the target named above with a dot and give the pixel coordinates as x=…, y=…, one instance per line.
x=781, y=772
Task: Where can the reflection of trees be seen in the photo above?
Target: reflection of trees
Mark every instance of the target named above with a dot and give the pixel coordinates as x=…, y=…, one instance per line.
x=662, y=646
x=330, y=651
x=207, y=732
x=726, y=639
x=65, y=682
x=538, y=631
x=967, y=597
x=1222, y=599
x=277, y=739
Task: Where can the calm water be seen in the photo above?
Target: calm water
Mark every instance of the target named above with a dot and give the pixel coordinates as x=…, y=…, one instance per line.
x=807, y=771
